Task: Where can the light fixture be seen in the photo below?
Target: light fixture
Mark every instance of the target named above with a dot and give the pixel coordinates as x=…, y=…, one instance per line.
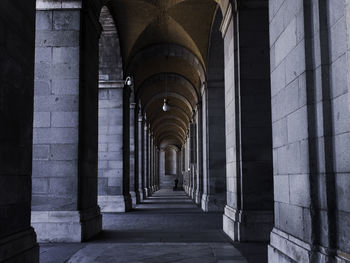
x=128, y=81
x=166, y=106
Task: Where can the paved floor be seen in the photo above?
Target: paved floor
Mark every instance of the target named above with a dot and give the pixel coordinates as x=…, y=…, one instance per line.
x=168, y=227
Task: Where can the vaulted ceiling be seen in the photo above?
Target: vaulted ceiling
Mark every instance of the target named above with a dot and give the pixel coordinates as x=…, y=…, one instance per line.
x=164, y=46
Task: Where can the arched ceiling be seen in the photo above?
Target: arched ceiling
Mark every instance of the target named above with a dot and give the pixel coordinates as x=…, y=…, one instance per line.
x=164, y=46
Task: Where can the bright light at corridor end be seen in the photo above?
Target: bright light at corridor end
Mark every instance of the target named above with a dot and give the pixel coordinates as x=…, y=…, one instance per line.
x=166, y=106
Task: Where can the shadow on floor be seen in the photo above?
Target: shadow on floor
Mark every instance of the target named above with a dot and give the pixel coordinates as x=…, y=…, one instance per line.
x=166, y=228
x=253, y=252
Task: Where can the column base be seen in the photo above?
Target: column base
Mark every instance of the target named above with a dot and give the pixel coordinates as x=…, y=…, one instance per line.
x=144, y=193
x=149, y=192
x=139, y=196
x=133, y=198
x=186, y=188
x=211, y=204
x=115, y=203
x=287, y=248
x=198, y=198
x=247, y=226
x=193, y=194
x=20, y=247
x=189, y=191
x=67, y=226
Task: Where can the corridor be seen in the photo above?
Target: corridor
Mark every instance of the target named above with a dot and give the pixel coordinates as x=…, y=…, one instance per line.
x=167, y=227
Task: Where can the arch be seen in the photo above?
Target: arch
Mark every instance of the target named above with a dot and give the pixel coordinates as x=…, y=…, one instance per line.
x=168, y=133
x=160, y=77
x=169, y=95
x=168, y=126
x=169, y=118
x=172, y=146
x=170, y=141
x=168, y=137
x=110, y=68
x=173, y=108
x=168, y=50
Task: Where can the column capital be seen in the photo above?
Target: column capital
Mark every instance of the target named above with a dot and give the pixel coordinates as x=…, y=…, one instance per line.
x=132, y=105
x=111, y=84
x=58, y=4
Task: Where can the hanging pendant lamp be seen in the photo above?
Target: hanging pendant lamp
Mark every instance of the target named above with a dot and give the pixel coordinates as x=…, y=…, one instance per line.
x=166, y=106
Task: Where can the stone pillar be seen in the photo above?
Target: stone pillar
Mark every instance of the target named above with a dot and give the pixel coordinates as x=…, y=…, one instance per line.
x=249, y=210
x=151, y=170
x=133, y=179
x=193, y=157
x=157, y=168
x=149, y=134
x=178, y=167
x=110, y=179
x=126, y=147
x=199, y=165
x=64, y=202
x=162, y=167
x=145, y=159
x=17, y=237
x=111, y=119
x=214, y=155
x=139, y=154
x=188, y=166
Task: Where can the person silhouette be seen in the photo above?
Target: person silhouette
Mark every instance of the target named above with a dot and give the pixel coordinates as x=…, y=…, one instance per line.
x=176, y=183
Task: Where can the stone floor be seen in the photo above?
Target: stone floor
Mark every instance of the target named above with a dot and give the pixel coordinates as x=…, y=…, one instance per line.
x=168, y=227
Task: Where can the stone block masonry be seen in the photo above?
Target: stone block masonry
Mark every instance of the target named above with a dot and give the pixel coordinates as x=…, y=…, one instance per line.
x=64, y=178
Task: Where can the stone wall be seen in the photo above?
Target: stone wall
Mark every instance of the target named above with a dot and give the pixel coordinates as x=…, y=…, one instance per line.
x=310, y=131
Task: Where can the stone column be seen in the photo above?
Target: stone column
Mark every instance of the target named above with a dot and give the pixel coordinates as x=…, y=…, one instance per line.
x=133, y=179
x=157, y=169
x=139, y=150
x=205, y=153
x=249, y=210
x=137, y=153
x=213, y=124
x=145, y=159
x=199, y=172
x=162, y=167
x=149, y=189
x=17, y=237
x=64, y=202
x=187, y=166
x=110, y=188
x=178, y=167
x=151, y=162
x=126, y=147
x=193, y=157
